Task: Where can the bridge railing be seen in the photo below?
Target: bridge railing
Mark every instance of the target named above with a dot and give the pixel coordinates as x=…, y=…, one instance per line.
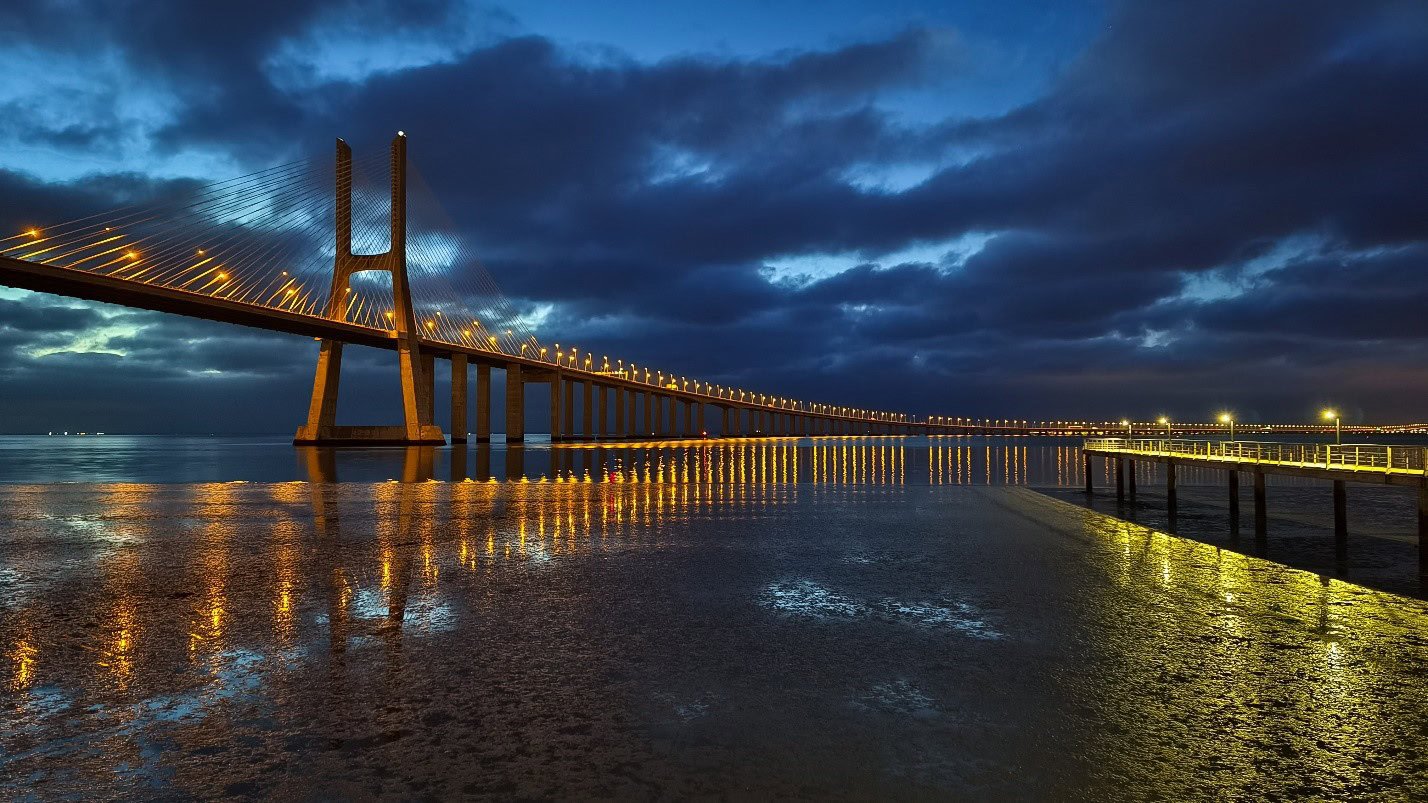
x=1347, y=456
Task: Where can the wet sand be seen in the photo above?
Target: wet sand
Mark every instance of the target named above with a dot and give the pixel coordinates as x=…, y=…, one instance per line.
x=675, y=640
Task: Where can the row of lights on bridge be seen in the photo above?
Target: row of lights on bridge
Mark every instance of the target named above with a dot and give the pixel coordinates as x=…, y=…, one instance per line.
x=719, y=391
x=1228, y=419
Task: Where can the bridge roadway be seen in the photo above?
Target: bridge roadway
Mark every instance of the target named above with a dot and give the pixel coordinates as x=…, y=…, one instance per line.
x=740, y=416
x=762, y=418
x=1379, y=464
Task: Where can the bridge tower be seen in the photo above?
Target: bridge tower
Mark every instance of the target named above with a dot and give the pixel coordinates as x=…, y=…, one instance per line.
x=417, y=427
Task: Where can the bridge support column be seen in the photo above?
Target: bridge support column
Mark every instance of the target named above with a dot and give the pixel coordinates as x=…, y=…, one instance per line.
x=1086, y=461
x=648, y=430
x=568, y=419
x=322, y=410
x=1341, y=516
x=515, y=406
x=1130, y=476
x=483, y=403
x=1261, y=518
x=630, y=410
x=1120, y=480
x=727, y=424
x=458, y=398
x=689, y=418
x=428, y=383
x=557, y=427
x=603, y=410
x=587, y=410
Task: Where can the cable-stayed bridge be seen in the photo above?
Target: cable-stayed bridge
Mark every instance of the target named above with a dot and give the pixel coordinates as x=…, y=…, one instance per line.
x=358, y=251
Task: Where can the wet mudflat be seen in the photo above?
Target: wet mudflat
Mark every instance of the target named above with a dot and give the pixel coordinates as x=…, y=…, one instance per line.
x=668, y=640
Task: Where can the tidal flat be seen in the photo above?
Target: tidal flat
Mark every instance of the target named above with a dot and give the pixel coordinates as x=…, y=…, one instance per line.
x=654, y=640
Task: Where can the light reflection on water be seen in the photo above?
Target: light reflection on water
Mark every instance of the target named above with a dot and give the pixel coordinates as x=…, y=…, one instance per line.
x=1041, y=462
x=255, y=608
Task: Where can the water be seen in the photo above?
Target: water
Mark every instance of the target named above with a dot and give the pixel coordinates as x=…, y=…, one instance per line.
x=1383, y=546
x=1035, y=462
x=846, y=619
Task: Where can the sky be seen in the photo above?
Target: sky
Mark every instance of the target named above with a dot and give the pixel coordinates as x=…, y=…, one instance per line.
x=1054, y=210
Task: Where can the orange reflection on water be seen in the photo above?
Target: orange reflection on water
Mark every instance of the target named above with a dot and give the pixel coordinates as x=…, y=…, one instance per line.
x=22, y=660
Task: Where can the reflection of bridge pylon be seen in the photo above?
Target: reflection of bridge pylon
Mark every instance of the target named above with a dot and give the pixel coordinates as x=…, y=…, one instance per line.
x=417, y=426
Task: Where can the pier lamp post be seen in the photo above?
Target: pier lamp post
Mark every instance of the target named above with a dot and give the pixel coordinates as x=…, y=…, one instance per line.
x=1166, y=421
x=1226, y=418
x=1338, y=434
x=1127, y=424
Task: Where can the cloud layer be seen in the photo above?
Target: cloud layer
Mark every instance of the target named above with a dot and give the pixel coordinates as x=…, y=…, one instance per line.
x=1211, y=205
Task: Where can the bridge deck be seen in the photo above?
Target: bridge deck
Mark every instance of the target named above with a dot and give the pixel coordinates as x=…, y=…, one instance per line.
x=1353, y=462
x=43, y=278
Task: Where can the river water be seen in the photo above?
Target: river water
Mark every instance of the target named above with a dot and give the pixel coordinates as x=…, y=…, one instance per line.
x=847, y=619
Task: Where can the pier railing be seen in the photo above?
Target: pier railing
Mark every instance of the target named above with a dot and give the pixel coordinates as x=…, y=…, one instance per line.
x=1347, y=456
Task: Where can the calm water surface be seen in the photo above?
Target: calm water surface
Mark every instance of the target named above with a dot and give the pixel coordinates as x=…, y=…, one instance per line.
x=840, y=619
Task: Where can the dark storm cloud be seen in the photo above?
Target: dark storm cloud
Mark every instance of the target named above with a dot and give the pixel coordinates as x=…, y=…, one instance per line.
x=1212, y=197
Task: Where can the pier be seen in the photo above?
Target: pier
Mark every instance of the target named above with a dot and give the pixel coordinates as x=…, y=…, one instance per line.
x=1371, y=463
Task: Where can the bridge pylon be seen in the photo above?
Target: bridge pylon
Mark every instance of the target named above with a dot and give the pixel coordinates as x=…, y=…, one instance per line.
x=417, y=427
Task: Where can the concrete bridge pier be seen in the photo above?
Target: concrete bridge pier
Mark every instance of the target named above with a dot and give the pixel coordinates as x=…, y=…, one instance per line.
x=515, y=404
x=567, y=420
x=1130, y=476
x=556, y=426
x=1120, y=480
x=1086, y=469
x=648, y=430
x=630, y=414
x=458, y=398
x=427, y=381
x=587, y=409
x=602, y=412
x=483, y=403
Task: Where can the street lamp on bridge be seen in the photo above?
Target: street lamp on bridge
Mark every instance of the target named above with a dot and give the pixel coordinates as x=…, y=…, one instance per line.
x=1226, y=418
x=1127, y=424
x=1166, y=421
